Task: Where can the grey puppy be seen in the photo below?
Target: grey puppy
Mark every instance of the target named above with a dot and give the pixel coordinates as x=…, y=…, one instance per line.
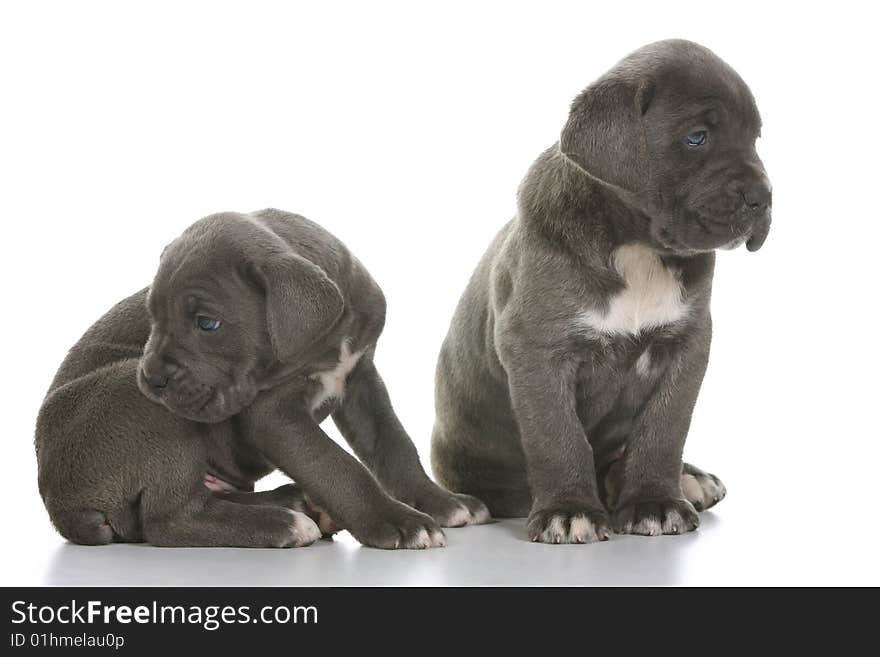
x=566, y=384
x=161, y=418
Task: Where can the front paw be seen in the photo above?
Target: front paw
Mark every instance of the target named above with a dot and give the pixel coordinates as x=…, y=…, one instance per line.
x=399, y=527
x=452, y=509
x=656, y=517
x=569, y=525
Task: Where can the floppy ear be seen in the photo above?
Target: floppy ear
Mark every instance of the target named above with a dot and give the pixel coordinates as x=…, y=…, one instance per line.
x=604, y=133
x=302, y=303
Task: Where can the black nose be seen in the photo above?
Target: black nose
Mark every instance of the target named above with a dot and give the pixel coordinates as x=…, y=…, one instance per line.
x=757, y=197
x=156, y=370
x=155, y=380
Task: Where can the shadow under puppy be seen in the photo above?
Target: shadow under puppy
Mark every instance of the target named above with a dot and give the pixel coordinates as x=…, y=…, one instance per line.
x=566, y=383
x=164, y=414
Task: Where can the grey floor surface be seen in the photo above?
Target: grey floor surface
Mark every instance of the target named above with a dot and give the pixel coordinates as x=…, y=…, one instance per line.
x=733, y=546
x=495, y=554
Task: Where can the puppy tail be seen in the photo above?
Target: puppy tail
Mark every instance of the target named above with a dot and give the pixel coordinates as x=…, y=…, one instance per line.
x=83, y=526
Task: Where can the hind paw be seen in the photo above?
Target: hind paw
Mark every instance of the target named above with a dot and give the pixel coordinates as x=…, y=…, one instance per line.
x=701, y=489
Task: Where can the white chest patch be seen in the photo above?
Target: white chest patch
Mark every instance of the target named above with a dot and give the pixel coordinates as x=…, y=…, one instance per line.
x=643, y=364
x=652, y=297
x=333, y=381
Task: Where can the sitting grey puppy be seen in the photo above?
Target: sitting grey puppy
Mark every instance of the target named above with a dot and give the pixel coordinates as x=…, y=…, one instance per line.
x=566, y=384
x=161, y=418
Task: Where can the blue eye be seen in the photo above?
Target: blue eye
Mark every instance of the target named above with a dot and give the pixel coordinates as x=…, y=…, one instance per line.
x=207, y=324
x=696, y=139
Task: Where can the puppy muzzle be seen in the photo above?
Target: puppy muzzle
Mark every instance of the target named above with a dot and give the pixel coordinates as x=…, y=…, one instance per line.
x=188, y=398
x=752, y=235
x=759, y=232
x=172, y=388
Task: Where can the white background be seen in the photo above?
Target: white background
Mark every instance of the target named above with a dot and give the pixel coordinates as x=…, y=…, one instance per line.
x=405, y=129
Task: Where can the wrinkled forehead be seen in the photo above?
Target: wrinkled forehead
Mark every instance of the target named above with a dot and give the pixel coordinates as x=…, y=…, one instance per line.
x=198, y=279
x=704, y=87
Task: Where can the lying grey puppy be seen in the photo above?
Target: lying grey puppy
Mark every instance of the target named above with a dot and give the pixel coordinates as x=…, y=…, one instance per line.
x=566, y=383
x=256, y=327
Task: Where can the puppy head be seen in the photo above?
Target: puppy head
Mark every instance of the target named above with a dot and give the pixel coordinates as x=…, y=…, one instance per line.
x=674, y=128
x=229, y=302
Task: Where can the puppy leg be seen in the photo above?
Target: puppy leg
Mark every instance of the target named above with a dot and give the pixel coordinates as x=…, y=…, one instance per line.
x=565, y=497
x=290, y=496
x=651, y=501
x=287, y=495
x=701, y=489
x=289, y=437
x=500, y=483
x=207, y=520
x=368, y=422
